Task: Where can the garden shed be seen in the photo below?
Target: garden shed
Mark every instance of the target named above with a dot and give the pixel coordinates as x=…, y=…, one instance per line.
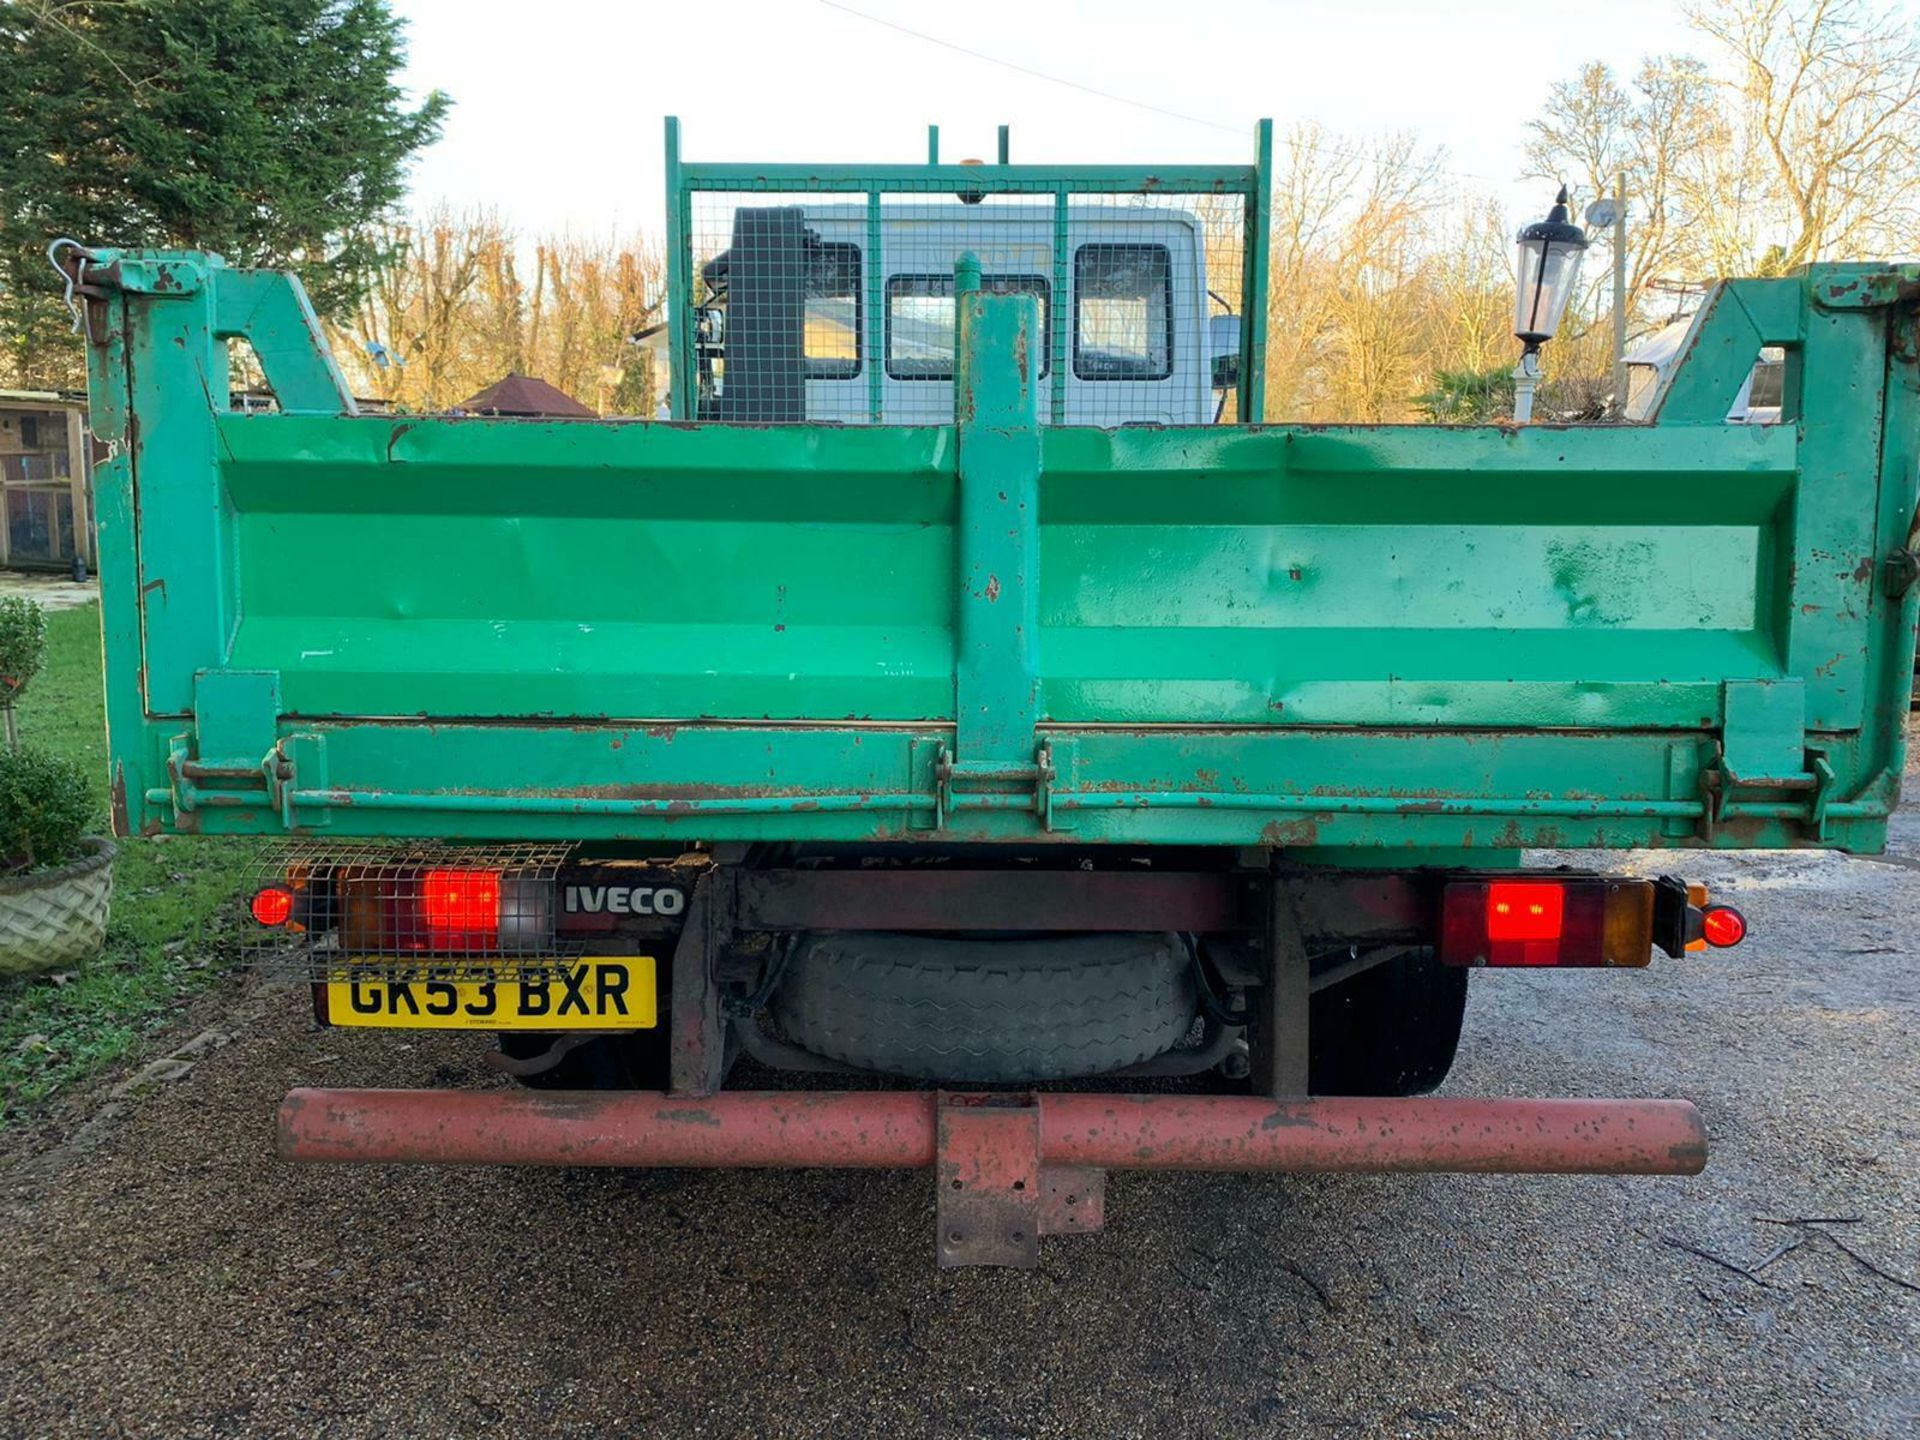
x=46, y=520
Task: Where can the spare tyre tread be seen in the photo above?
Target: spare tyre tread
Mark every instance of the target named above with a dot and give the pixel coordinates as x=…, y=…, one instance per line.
x=992, y=1011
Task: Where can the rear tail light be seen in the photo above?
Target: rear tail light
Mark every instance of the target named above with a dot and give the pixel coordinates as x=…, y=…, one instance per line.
x=461, y=907
x=1547, y=922
x=441, y=910
x=272, y=905
x=1722, y=926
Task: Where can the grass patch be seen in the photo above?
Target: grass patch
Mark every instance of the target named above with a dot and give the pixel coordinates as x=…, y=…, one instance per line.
x=170, y=903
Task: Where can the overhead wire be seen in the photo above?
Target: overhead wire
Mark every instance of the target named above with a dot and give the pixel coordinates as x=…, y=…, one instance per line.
x=1317, y=146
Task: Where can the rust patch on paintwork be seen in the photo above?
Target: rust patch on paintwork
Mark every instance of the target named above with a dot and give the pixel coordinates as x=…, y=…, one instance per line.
x=119, y=805
x=1742, y=832
x=690, y=1115
x=1283, y=834
x=992, y=592
x=1511, y=837
x=1288, y=1119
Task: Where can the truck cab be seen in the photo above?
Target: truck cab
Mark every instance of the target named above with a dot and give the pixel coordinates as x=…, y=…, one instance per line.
x=818, y=313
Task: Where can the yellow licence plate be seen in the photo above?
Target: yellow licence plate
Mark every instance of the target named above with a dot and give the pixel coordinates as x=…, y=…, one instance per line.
x=613, y=992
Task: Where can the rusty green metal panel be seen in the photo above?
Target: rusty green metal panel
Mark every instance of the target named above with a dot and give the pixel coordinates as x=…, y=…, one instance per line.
x=996, y=616
x=1347, y=639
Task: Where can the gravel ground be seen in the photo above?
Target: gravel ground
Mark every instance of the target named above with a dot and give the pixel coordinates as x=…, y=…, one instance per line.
x=164, y=1275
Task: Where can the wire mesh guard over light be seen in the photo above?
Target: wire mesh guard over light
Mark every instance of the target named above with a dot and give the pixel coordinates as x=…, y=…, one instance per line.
x=409, y=909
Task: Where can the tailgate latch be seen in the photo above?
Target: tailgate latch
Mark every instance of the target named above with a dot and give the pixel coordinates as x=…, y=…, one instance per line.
x=235, y=757
x=992, y=785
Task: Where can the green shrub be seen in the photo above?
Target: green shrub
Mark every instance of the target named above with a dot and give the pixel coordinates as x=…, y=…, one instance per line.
x=23, y=644
x=1467, y=397
x=44, y=809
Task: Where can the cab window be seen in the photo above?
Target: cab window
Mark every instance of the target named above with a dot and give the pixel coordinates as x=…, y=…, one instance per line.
x=833, y=311
x=1122, y=312
x=920, y=321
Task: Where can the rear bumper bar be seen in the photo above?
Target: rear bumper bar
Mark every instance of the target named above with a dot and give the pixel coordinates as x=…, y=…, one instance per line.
x=900, y=1130
x=1008, y=1168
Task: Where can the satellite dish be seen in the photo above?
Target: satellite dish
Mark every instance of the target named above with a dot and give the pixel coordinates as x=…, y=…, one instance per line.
x=1603, y=212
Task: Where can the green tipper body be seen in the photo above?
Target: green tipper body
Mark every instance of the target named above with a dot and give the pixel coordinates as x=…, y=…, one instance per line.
x=1390, y=638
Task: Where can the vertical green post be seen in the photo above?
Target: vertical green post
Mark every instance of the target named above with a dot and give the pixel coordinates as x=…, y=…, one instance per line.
x=933, y=144
x=1006, y=147
x=996, y=621
x=117, y=527
x=1253, y=287
x=876, y=327
x=1060, y=313
x=186, y=620
x=679, y=283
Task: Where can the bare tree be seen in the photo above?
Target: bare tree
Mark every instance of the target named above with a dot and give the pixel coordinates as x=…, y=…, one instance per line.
x=453, y=311
x=1466, y=303
x=1313, y=176
x=1827, y=92
x=1658, y=135
x=1351, y=274
x=1381, y=278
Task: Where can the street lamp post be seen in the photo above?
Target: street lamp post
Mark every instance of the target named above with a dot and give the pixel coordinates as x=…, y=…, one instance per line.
x=1550, y=252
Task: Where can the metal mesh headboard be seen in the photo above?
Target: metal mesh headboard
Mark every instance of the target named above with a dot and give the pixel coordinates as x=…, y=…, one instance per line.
x=825, y=293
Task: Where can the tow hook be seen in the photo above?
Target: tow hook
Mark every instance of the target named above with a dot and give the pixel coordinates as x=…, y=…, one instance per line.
x=563, y=1046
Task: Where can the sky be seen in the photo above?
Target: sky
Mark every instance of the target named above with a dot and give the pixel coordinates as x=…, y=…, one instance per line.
x=558, y=106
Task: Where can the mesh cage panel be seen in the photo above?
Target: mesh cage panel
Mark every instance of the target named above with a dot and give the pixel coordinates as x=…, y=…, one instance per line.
x=342, y=910
x=829, y=307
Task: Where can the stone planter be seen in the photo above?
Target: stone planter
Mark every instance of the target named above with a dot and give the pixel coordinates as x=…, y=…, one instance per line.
x=50, y=918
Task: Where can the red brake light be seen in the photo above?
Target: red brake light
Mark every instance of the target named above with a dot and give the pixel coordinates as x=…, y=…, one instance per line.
x=1581, y=920
x=1525, y=912
x=461, y=902
x=1722, y=926
x=272, y=905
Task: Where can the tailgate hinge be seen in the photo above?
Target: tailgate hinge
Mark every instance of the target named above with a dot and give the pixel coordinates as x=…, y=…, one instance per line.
x=1718, y=783
x=991, y=785
x=272, y=781
x=1763, y=751
x=234, y=758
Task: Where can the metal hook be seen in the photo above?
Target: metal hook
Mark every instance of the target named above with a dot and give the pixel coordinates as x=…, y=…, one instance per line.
x=70, y=278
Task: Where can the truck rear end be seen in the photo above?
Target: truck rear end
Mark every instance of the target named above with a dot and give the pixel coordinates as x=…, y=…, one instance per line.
x=1036, y=791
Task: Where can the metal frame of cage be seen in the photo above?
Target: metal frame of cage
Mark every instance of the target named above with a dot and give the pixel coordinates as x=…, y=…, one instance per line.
x=345, y=910
x=874, y=184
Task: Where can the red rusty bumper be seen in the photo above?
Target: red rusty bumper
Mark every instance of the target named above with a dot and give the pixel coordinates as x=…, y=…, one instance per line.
x=1009, y=1168
x=900, y=1130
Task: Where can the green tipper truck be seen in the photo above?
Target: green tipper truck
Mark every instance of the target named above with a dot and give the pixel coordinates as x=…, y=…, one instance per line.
x=1037, y=790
